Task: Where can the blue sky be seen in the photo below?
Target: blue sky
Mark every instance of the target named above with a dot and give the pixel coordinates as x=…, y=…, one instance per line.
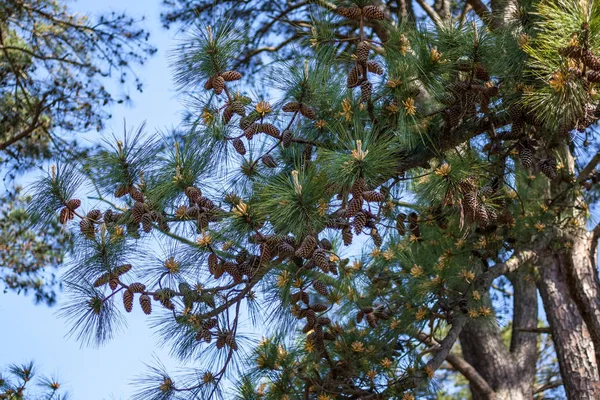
x=31, y=332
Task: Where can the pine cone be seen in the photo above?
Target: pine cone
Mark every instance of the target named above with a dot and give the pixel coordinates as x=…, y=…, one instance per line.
x=347, y=235
x=366, y=89
x=73, y=204
x=349, y=12
x=286, y=138
x=306, y=247
x=525, y=155
x=137, y=287
x=230, y=341
x=122, y=269
x=321, y=259
x=251, y=130
x=320, y=287
x=452, y=116
x=284, y=249
x=209, y=83
x=591, y=61
x=311, y=318
x=400, y=227
x=238, y=145
x=227, y=114
x=102, y=280
x=229, y=76
x=238, y=108
x=265, y=253
x=548, y=167
x=94, y=215
x=354, y=206
x=65, y=215
x=137, y=211
x=193, y=194
x=87, y=228
x=481, y=215
x=593, y=76
x=147, y=222
x=373, y=12
x=354, y=76
x=146, y=304
x=358, y=187
x=308, y=112
x=470, y=203
x=373, y=196
x=362, y=51
x=136, y=194
x=128, y=300
x=360, y=219
x=292, y=106
x=481, y=73
x=113, y=283
x=377, y=239
x=371, y=320
x=375, y=67
x=319, y=307
x=326, y=244
x=218, y=84
x=270, y=130
x=269, y=161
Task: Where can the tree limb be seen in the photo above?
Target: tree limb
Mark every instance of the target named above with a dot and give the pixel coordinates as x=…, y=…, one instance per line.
x=585, y=172
x=548, y=386
x=430, y=12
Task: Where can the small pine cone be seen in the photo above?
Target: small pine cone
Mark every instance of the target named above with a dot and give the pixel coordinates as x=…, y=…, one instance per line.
x=366, y=88
x=591, y=61
x=102, y=280
x=193, y=194
x=252, y=130
x=358, y=187
x=481, y=215
x=238, y=145
x=321, y=259
x=218, y=84
x=320, y=287
x=229, y=76
x=210, y=324
x=73, y=204
x=270, y=130
x=347, y=235
x=548, y=167
x=354, y=76
x=492, y=214
x=359, y=222
x=323, y=321
x=65, y=215
x=481, y=73
x=121, y=191
x=452, y=116
x=373, y=12
x=470, y=202
x=319, y=307
x=230, y=341
x=349, y=12
x=284, y=249
x=362, y=51
x=202, y=221
x=269, y=161
x=377, y=239
x=238, y=108
x=354, y=206
x=168, y=304
x=136, y=194
x=113, y=283
x=227, y=114
x=526, y=156
x=128, y=300
x=326, y=244
x=265, y=253
x=593, y=76
x=206, y=203
x=359, y=316
x=371, y=320
x=375, y=67
x=94, y=215
x=146, y=304
x=286, y=138
x=209, y=83
x=305, y=298
x=87, y=228
x=308, y=112
x=137, y=287
x=306, y=247
x=292, y=106
x=220, y=342
x=137, y=211
x=122, y=269
x=147, y=222
x=372, y=195
x=400, y=228
x=415, y=229
x=311, y=318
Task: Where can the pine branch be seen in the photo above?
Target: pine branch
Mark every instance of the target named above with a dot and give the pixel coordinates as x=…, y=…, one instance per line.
x=548, y=386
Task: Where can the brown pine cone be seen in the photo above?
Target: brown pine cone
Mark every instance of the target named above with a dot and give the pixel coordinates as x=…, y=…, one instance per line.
x=229, y=76
x=373, y=12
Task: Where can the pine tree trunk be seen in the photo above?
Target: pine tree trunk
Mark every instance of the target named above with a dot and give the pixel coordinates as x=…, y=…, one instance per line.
x=573, y=344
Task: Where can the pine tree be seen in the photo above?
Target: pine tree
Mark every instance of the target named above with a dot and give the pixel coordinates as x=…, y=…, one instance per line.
x=458, y=165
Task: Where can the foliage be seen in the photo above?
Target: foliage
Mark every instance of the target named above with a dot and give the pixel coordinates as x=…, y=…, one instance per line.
x=362, y=218
x=16, y=384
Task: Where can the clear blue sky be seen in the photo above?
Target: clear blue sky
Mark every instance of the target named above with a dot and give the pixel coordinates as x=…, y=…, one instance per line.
x=30, y=332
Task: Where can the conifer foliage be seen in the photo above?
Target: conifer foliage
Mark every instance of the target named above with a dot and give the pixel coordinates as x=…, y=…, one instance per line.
x=444, y=164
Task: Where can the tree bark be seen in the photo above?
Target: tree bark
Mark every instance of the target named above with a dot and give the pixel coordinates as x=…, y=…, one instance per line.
x=572, y=342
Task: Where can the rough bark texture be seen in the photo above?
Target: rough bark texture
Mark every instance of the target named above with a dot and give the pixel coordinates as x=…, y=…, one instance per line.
x=574, y=349
x=484, y=349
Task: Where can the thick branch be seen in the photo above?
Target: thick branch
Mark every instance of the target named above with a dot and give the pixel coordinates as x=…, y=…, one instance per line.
x=585, y=172
x=462, y=366
x=430, y=12
x=28, y=131
x=548, y=386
